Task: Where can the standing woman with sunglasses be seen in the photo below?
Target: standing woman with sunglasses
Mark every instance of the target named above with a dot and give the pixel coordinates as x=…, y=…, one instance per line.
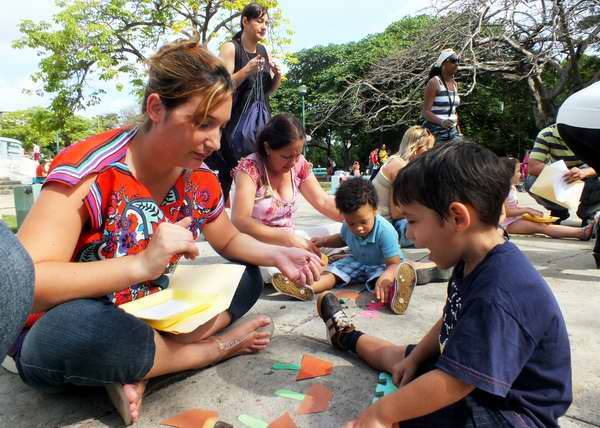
x=441, y=99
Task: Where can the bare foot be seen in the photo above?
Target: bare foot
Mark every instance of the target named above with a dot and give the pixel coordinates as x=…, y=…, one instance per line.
x=245, y=338
x=127, y=399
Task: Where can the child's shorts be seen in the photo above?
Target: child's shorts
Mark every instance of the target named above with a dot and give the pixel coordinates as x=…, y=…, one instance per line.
x=350, y=270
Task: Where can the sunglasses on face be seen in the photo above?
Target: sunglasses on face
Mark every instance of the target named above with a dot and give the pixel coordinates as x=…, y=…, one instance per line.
x=453, y=60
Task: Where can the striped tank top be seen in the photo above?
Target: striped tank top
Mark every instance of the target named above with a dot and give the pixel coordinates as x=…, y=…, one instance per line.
x=445, y=103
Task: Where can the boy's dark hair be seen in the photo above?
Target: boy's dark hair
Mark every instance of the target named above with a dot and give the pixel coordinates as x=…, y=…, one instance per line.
x=457, y=172
x=353, y=193
x=510, y=164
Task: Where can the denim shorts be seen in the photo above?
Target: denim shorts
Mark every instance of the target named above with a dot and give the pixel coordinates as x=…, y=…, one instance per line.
x=466, y=413
x=91, y=342
x=401, y=226
x=350, y=270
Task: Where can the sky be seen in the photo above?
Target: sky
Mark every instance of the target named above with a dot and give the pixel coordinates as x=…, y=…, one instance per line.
x=315, y=22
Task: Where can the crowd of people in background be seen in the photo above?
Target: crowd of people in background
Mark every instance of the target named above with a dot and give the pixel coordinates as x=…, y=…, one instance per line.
x=119, y=210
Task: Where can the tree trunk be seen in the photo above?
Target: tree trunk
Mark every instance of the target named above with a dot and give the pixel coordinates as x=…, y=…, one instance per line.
x=543, y=108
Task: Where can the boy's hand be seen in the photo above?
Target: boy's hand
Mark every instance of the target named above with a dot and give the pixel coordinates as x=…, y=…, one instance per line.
x=382, y=289
x=299, y=242
x=404, y=371
x=370, y=418
x=319, y=241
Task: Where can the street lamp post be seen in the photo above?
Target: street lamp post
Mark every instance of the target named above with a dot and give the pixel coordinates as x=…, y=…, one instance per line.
x=302, y=89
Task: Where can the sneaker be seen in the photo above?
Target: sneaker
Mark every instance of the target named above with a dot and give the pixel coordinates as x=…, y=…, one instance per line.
x=287, y=287
x=404, y=284
x=429, y=272
x=337, y=322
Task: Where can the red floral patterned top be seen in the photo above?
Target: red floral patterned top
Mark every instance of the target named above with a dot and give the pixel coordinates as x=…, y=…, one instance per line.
x=122, y=214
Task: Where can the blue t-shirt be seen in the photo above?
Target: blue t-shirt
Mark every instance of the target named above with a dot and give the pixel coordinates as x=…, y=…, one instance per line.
x=504, y=333
x=377, y=246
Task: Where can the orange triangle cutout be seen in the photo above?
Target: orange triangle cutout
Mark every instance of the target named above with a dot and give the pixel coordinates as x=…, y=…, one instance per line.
x=312, y=366
x=316, y=400
x=283, y=421
x=194, y=418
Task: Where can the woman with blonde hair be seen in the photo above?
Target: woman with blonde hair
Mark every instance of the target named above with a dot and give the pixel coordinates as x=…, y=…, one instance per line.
x=117, y=211
x=415, y=141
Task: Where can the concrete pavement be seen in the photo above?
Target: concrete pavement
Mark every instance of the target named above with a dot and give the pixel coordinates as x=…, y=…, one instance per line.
x=246, y=385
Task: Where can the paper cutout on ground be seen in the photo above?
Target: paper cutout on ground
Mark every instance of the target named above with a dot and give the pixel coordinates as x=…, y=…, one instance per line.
x=375, y=306
x=252, y=422
x=285, y=366
x=286, y=393
x=312, y=366
x=194, y=418
x=369, y=314
x=347, y=294
x=385, y=386
x=317, y=400
x=284, y=421
x=212, y=285
x=537, y=219
x=551, y=185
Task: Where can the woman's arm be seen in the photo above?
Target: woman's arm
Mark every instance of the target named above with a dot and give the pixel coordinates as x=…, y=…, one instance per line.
x=276, y=74
x=227, y=55
x=331, y=241
x=319, y=200
x=391, y=170
x=50, y=234
x=297, y=264
x=428, y=99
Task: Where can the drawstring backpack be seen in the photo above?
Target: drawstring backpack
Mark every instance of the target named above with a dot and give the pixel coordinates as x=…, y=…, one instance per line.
x=253, y=118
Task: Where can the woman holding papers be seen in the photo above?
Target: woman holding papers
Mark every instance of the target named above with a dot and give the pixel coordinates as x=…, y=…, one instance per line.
x=116, y=212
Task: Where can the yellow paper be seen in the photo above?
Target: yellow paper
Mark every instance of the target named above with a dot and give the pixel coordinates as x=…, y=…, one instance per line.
x=550, y=185
x=195, y=295
x=537, y=219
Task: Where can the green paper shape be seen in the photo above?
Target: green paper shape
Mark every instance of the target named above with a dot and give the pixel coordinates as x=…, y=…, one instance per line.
x=385, y=386
x=285, y=366
x=343, y=301
x=251, y=422
x=286, y=393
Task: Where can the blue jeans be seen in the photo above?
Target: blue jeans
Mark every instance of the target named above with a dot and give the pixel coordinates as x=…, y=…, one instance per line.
x=16, y=288
x=401, y=226
x=91, y=342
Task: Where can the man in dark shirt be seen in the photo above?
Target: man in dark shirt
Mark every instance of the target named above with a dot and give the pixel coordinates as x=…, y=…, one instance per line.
x=499, y=356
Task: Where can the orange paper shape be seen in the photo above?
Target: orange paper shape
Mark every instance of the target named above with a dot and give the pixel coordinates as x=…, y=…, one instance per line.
x=312, y=366
x=283, y=421
x=316, y=400
x=347, y=294
x=194, y=418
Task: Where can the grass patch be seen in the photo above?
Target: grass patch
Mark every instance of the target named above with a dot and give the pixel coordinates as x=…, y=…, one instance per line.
x=10, y=221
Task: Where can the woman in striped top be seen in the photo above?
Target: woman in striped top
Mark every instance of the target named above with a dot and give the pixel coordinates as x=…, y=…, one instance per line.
x=441, y=99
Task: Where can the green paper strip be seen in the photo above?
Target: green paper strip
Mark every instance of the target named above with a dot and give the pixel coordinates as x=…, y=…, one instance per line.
x=286, y=393
x=285, y=366
x=251, y=422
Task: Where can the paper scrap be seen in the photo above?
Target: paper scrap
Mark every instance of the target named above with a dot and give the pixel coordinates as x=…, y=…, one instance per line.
x=286, y=393
x=347, y=294
x=284, y=421
x=369, y=314
x=551, y=185
x=312, y=366
x=285, y=366
x=193, y=418
x=317, y=400
x=252, y=422
x=375, y=306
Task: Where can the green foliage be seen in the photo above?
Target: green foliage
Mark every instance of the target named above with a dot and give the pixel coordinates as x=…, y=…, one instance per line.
x=43, y=127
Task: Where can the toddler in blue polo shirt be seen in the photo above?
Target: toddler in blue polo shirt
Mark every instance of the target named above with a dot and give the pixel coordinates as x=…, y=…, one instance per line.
x=373, y=241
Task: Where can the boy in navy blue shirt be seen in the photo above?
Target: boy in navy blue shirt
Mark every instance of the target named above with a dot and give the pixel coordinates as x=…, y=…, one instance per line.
x=499, y=355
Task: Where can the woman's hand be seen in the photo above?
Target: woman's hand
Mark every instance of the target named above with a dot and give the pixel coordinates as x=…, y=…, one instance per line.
x=404, y=371
x=319, y=241
x=275, y=69
x=298, y=265
x=299, y=242
x=254, y=66
x=169, y=240
x=370, y=418
x=534, y=212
